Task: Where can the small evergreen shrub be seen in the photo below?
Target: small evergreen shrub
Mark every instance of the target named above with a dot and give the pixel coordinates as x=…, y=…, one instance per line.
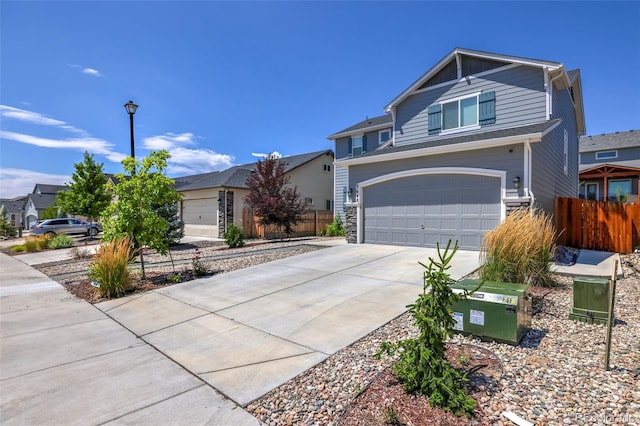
x=111, y=268
x=422, y=366
x=336, y=228
x=19, y=248
x=61, y=241
x=520, y=249
x=234, y=236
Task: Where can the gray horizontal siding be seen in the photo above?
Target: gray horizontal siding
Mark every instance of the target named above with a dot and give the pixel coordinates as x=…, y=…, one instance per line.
x=494, y=159
x=341, y=181
x=342, y=144
x=548, y=178
x=624, y=154
x=520, y=100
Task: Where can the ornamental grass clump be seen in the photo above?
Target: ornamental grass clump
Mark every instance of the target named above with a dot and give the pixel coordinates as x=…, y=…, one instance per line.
x=520, y=249
x=422, y=366
x=61, y=241
x=111, y=268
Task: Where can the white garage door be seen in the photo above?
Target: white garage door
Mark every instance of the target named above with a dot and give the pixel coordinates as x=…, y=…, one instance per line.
x=200, y=212
x=429, y=209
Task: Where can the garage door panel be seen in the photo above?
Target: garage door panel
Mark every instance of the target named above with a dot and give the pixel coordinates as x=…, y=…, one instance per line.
x=200, y=212
x=429, y=209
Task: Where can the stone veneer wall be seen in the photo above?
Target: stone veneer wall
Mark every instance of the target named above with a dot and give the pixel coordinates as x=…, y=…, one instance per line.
x=224, y=210
x=351, y=223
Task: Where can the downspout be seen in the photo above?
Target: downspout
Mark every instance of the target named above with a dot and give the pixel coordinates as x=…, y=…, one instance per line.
x=393, y=120
x=527, y=174
x=551, y=91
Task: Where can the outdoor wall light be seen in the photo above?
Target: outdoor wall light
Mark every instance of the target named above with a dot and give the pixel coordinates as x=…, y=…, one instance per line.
x=350, y=193
x=516, y=182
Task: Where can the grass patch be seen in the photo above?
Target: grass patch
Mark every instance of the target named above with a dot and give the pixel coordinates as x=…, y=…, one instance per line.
x=520, y=249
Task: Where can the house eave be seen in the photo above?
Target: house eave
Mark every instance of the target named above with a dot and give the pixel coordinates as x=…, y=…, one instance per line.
x=361, y=130
x=446, y=149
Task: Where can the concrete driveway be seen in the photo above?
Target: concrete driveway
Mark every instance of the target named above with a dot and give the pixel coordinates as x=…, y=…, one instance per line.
x=248, y=331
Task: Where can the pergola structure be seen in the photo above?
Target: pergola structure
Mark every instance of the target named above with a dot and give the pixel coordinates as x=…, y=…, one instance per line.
x=605, y=172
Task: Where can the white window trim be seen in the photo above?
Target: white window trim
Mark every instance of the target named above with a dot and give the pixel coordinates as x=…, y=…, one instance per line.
x=566, y=152
x=460, y=128
x=598, y=157
x=380, y=132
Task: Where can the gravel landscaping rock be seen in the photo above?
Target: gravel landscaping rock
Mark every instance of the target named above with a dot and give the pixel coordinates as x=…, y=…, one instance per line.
x=555, y=375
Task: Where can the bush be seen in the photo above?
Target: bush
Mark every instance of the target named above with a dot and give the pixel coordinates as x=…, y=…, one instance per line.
x=110, y=268
x=61, y=241
x=422, y=366
x=336, y=228
x=520, y=249
x=19, y=248
x=234, y=236
x=37, y=243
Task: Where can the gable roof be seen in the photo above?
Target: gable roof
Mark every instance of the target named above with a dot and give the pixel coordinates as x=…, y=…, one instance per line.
x=366, y=125
x=13, y=205
x=42, y=201
x=453, y=56
x=457, y=143
x=46, y=188
x=615, y=140
x=236, y=176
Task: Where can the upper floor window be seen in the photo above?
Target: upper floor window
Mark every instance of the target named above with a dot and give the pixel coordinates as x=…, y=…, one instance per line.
x=566, y=152
x=460, y=113
x=383, y=136
x=326, y=168
x=604, y=155
x=464, y=113
x=357, y=145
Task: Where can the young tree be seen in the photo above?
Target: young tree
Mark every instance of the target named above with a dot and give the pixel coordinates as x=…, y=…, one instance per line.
x=269, y=197
x=87, y=193
x=7, y=228
x=133, y=214
x=169, y=212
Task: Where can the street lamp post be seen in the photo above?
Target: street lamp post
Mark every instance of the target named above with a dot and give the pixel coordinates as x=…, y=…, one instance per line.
x=131, y=109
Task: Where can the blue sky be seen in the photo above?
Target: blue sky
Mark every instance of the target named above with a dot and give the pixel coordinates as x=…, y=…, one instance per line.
x=221, y=82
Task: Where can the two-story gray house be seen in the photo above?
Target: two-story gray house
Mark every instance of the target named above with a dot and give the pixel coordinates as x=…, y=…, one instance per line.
x=477, y=134
x=610, y=166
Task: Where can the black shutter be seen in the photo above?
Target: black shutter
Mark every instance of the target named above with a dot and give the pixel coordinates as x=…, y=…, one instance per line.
x=350, y=146
x=435, y=120
x=364, y=144
x=487, y=108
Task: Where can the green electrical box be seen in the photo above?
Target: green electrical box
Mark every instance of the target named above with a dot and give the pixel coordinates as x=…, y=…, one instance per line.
x=496, y=311
x=590, y=300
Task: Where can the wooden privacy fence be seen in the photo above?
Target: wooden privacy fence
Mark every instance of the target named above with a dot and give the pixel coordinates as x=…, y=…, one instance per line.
x=597, y=225
x=313, y=223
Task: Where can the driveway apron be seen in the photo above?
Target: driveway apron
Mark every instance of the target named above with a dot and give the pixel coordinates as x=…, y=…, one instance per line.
x=248, y=331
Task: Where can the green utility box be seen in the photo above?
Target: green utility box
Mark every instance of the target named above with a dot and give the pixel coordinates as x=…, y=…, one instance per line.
x=590, y=300
x=496, y=311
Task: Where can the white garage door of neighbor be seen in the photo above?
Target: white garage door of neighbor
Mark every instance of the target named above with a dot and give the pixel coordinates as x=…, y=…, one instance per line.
x=200, y=212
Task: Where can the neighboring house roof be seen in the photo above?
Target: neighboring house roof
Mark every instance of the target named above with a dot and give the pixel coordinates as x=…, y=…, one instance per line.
x=625, y=163
x=607, y=167
x=457, y=143
x=368, y=124
x=606, y=141
x=13, y=205
x=45, y=188
x=236, y=176
x=42, y=201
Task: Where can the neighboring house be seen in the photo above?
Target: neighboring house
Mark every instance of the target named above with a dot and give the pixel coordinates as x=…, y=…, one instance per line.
x=476, y=135
x=610, y=166
x=213, y=200
x=15, y=209
x=42, y=197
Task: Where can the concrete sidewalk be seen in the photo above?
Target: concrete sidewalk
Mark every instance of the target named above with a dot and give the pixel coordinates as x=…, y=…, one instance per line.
x=248, y=331
x=62, y=361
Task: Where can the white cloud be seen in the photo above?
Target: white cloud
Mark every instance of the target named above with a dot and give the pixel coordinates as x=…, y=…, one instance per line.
x=168, y=141
x=187, y=161
x=82, y=142
x=275, y=154
x=92, y=71
x=19, y=182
